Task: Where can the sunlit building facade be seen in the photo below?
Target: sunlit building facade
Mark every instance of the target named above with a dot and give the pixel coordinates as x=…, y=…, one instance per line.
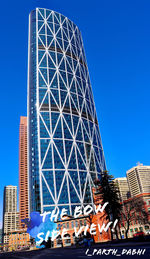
x=65, y=152
x=139, y=179
x=123, y=188
x=10, y=214
x=19, y=238
x=23, y=175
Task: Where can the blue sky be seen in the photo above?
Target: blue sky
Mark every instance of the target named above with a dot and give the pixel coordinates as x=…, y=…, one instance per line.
x=116, y=37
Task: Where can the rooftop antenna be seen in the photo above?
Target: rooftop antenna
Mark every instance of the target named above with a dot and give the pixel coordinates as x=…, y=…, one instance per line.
x=139, y=164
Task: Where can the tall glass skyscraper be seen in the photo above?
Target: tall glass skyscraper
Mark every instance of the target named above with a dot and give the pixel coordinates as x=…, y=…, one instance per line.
x=65, y=152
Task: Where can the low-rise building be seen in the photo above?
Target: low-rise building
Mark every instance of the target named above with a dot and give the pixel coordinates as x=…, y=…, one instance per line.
x=136, y=222
x=70, y=222
x=18, y=240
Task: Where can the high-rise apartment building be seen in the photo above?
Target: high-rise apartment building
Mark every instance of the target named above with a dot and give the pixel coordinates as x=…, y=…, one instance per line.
x=123, y=188
x=139, y=179
x=23, y=175
x=65, y=152
x=10, y=214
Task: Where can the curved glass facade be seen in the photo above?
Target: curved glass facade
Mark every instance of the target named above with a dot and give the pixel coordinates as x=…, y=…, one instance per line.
x=65, y=152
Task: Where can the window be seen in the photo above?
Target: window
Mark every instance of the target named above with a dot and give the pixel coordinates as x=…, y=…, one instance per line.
x=67, y=239
x=63, y=225
x=146, y=227
x=81, y=223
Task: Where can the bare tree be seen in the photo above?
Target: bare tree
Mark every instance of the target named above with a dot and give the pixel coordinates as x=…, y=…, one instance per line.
x=133, y=210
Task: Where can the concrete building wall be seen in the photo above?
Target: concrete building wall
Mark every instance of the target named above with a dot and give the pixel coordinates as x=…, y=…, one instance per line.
x=139, y=179
x=123, y=188
x=10, y=214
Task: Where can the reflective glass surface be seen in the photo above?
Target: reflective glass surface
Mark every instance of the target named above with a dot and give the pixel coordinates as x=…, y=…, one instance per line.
x=63, y=127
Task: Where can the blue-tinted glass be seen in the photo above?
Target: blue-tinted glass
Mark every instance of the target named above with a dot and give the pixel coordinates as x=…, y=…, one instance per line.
x=66, y=117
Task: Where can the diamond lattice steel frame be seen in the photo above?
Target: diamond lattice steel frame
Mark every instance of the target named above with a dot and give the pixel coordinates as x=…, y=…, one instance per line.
x=65, y=151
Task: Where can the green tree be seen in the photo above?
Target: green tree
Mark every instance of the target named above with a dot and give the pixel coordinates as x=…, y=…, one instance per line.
x=109, y=193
